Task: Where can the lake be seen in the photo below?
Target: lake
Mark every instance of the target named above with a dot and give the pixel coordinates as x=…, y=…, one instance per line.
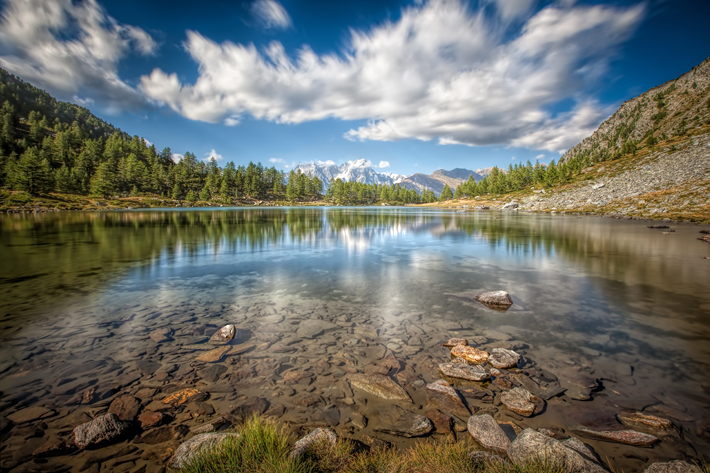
x=613, y=315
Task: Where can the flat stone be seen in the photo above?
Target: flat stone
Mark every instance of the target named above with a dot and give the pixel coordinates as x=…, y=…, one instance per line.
x=576, y=445
x=54, y=449
x=103, y=428
x=452, y=342
x=445, y=398
x=180, y=397
x=443, y=387
x=520, y=401
x=443, y=423
x=380, y=385
x=213, y=356
x=317, y=436
x=627, y=437
x=494, y=298
x=486, y=431
x=644, y=420
x=313, y=328
x=464, y=371
x=197, y=444
x=150, y=419
x=160, y=335
x=503, y=359
x=30, y=414
x=212, y=372
x=125, y=407
x=208, y=426
x=676, y=466
x=403, y=423
x=164, y=433
x=247, y=408
x=530, y=446
x=147, y=367
x=224, y=335
x=470, y=354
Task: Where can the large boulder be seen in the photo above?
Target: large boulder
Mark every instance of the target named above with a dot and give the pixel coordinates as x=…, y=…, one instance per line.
x=464, y=371
x=197, y=444
x=394, y=420
x=102, y=429
x=380, y=385
x=317, y=436
x=676, y=466
x=486, y=431
x=531, y=446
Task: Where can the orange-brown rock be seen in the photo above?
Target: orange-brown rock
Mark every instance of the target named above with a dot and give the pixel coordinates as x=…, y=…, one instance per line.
x=213, y=356
x=180, y=397
x=452, y=342
x=470, y=354
x=150, y=419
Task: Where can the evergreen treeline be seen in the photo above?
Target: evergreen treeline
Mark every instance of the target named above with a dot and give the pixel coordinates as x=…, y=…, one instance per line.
x=357, y=193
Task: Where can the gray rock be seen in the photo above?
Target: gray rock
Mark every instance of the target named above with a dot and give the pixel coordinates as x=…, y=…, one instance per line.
x=313, y=328
x=403, y=423
x=380, y=385
x=576, y=445
x=530, y=446
x=494, y=298
x=224, y=335
x=675, y=466
x=519, y=400
x=197, y=444
x=511, y=205
x=486, y=431
x=627, y=437
x=502, y=359
x=318, y=435
x=104, y=428
x=464, y=371
x=486, y=457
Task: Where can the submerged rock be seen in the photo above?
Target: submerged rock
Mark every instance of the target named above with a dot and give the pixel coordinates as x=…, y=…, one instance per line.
x=442, y=396
x=486, y=431
x=502, y=359
x=676, y=466
x=638, y=419
x=213, y=356
x=125, y=407
x=452, y=342
x=464, y=371
x=29, y=414
x=197, y=444
x=180, y=397
x=318, y=435
x=380, y=385
x=494, y=298
x=470, y=354
x=160, y=335
x=402, y=423
x=224, y=335
x=102, y=429
x=520, y=401
x=313, y=328
x=150, y=419
x=627, y=437
x=530, y=446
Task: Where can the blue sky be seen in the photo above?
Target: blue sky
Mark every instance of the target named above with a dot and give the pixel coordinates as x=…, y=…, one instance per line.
x=416, y=86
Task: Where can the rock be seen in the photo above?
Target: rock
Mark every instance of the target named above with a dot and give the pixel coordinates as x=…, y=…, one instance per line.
x=160, y=335
x=675, y=466
x=520, y=401
x=164, y=433
x=247, y=408
x=212, y=372
x=452, y=342
x=54, y=449
x=494, y=298
x=511, y=205
x=296, y=376
x=317, y=436
x=199, y=443
x=374, y=442
x=657, y=226
x=209, y=426
x=502, y=359
x=441, y=395
x=403, y=423
x=30, y=414
x=443, y=387
x=530, y=446
x=150, y=419
x=576, y=445
x=125, y=407
x=470, y=354
x=201, y=408
x=180, y=397
x=359, y=420
x=224, y=335
x=464, y=371
x=380, y=385
x=644, y=420
x=213, y=356
x=485, y=457
x=627, y=437
x=102, y=429
x=313, y=328
x=486, y=431
x=443, y=423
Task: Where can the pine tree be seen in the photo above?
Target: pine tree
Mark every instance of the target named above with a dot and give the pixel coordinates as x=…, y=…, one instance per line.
x=205, y=194
x=446, y=194
x=32, y=174
x=190, y=197
x=104, y=183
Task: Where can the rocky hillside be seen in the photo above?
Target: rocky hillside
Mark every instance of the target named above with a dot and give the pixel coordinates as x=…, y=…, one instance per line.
x=667, y=111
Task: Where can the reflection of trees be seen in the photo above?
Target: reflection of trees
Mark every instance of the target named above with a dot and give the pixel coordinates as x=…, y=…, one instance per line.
x=360, y=219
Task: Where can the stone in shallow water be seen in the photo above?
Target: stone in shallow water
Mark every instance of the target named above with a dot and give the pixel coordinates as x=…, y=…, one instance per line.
x=470, y=354
x=224, y=335
x=502, y=359
x=464, y=371
x=199, y=443
x=102, y=429
x=160, y=335
x=313, y=328
x=125, y=407
x=180, y=397
x=442, y=396
x=380, y=385
x=519, y=400
x=317, y=436
x=452, y=342
x=486, y=431
x=394, y=420
x=494, y=298
x=443, y=423
x=164, y=433
x=676, y=466
x=627, y=437
x=530, y=446
x=213, y=356
x=150, y=419
x=29, y=414
x=645, y=420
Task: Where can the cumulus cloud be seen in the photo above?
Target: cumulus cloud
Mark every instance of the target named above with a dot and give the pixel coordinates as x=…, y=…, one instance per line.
x=383, y=164
x=177, y=157
x=276, y=160
x=539, y=156
x=441, y=72
x=271, y=14
x=213, y=154
x=326, y=163
x=70, y=47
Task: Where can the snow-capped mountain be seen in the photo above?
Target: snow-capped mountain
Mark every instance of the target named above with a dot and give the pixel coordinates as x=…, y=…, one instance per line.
x=359, y=171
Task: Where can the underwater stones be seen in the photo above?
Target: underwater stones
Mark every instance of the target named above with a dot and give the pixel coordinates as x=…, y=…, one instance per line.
x=531, y=445
x=442, y=396
x=164, y=433
x=208, y=427
x=502, y=359
x=317, y=436
x=638, y=419
x=180, y=397
x=486, y=431
x=470, y=354
x=313, y=328
x=627, y=437
x=213, y=356
x=400, y=422
x=150, y=419
x=498, y=299
x=452, y=342
x=212, y=372
x=102, y=429
x=519, y=400
x=125, y=407
x=199, y=443
x=224, y=335
x=161, y=335
x=464, y=371
x=380, y=385
x=30, y=414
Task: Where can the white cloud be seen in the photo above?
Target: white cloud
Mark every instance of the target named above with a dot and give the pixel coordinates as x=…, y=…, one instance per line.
x=213, y=154
x=326, y=163
x=177, y=157
x=271, y=14
x=69, y=47
x=87, y=102
x=511, y=9
x=441, y=72
x=539, y=156
x=147, y=143
x=231, y=121
x=513, y=158
x=276, y=160
x=383, y=164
